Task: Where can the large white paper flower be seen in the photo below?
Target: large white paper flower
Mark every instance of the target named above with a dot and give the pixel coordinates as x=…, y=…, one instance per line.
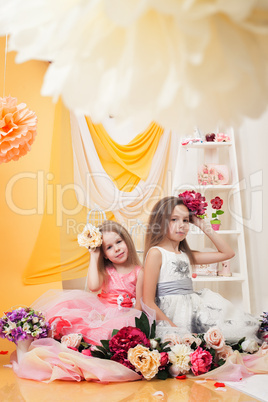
x=179, y=62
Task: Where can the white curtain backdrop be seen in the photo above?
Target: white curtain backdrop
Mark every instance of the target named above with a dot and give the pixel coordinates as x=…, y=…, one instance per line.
x=94, y=186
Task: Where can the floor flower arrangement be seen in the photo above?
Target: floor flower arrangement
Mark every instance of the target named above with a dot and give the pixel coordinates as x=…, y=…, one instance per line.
x=138, y=349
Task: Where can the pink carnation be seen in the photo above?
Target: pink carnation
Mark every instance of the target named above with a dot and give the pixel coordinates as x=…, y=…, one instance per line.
x=126, y=338
x=195, y=202
x=200, y=361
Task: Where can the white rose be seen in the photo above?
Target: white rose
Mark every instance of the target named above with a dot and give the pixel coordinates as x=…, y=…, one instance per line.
x=250, y=346
x=153, y=343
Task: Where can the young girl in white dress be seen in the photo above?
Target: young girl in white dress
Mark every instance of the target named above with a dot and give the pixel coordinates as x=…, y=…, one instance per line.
x=168, y=285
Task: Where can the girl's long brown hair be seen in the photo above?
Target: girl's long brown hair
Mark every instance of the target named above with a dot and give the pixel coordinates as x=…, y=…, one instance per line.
x=112, y=226
x=158, y=225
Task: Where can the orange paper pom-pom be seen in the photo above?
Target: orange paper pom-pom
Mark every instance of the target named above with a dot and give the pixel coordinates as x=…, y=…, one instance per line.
x=17, y=129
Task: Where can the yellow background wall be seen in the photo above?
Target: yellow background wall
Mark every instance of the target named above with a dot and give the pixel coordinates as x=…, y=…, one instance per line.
x=18, y=232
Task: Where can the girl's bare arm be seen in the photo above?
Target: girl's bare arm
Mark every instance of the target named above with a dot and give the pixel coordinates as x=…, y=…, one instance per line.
x=95, y=278
x=151, y=273
x=225, y=252
x=139, y=285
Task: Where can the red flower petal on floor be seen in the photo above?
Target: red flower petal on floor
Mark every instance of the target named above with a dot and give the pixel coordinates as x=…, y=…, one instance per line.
x=181, y=377
x=194, y=275
x=219, y=384
x=3, y=352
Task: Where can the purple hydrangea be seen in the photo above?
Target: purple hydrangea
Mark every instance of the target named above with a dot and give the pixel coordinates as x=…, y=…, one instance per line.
x=23, y=323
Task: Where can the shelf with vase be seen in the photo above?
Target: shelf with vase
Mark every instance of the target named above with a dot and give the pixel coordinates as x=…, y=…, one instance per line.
x=235, y=277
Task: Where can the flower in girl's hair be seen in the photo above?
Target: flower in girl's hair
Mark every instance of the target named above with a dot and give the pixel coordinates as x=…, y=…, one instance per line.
x=90, y=238
x=195, y=202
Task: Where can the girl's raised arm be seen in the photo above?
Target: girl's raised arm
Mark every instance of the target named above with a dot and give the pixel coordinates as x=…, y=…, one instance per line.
x=151, y=273
x=139, y=285
x=225, y=252
x=94, y=277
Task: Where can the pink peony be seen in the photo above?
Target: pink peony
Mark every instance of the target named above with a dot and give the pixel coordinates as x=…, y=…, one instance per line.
x=200, y=361
x=195, y=202
x=122, y=358
x=126, y=338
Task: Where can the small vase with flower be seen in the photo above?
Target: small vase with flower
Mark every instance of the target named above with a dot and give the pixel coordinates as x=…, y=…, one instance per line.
x=216, y=204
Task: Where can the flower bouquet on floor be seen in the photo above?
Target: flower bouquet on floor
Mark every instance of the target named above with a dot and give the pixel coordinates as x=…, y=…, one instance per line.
x=22, y=326
x=138, y=349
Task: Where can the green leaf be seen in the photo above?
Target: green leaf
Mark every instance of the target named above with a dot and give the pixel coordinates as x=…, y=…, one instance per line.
x=219, y=212
x=105, y=344
x=221, y=362
x=163, y=345
x=152, y=334
x=166, y=349
x=103, y=350
x=214, y=215
x=162, y=375
x=98, y=354
x=115, y=332
x=143, y=324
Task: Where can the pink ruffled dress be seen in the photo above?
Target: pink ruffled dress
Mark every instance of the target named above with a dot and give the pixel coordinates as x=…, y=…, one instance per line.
x=93, y=316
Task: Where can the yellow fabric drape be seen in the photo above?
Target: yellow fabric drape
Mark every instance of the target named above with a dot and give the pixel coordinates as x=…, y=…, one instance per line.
x=126, y=164
x=56, y=249
x=56, y=254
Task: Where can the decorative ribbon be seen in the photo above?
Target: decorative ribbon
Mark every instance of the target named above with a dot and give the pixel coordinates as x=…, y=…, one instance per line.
x=122, y=300
x=181, y=287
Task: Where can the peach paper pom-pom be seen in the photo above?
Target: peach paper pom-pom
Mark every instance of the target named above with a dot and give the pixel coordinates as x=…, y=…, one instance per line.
x=17, y=129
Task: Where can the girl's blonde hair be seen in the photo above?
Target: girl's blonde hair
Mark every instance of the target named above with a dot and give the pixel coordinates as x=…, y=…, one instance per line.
x=158, y=225
x=112, y=226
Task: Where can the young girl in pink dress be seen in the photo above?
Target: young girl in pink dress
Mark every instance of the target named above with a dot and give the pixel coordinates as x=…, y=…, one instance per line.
x=115, y=271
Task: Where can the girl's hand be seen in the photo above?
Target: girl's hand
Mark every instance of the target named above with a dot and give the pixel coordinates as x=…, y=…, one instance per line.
x=96, y=253
x=199, y=222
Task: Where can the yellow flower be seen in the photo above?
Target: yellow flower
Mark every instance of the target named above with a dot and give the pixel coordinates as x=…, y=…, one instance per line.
x=144, y=360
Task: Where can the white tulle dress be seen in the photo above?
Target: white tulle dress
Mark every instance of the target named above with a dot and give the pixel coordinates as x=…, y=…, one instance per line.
x=196, y=312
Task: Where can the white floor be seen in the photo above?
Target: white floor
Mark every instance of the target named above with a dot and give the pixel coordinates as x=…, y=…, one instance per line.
x=256, y=386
